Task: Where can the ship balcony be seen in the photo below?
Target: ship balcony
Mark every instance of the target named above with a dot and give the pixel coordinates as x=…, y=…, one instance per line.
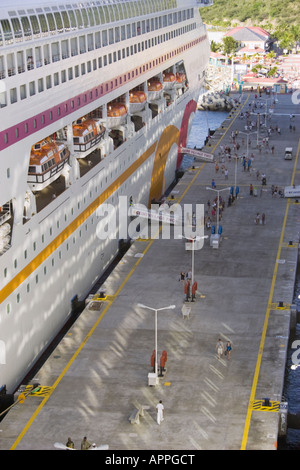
x=84, y=147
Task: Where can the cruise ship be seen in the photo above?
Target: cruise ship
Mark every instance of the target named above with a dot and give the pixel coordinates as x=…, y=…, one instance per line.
x=97, y=97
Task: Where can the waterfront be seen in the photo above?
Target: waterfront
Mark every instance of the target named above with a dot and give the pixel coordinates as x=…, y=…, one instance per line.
x=105, y=357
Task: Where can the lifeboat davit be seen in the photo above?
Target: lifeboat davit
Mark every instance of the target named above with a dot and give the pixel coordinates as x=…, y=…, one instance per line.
x=137, y=101
x=87, y=133
x=47, y=160
x=169, y=80
x=180, y=79
x=154, y=89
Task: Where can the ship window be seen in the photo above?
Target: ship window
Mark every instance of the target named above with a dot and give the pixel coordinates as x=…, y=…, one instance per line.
x=17, y=28
x=56, y=79
x=13, y=95
x=23, y=93
x=79, y=19
x=66, y=20
x=40, y=85
x=116, y=12
x=101, y=13
x=63, y=76
x=8, y=308
x=18, y=298
x=133, y=30
x=7, y=31
x=111, y=35
x=44, y=25
x=111, y=13
x=125, y=10
x=51, y=22
x=85, y=18
x=107, y=20
x=28, y=287
x=59, y=23
x=96, y=15
x=91, y=19
x=5, y=272
x=37, y=279
x=97, y=40
x=76, y=68
x=35, y=26
x=123, y=33
x=48, y=82
x=104, y=38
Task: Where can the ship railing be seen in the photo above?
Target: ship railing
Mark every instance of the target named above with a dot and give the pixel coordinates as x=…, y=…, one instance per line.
x=5, y=213
x=88, y=145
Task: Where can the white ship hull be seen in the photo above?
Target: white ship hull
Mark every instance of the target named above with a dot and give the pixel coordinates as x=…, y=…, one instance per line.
x=55, y=252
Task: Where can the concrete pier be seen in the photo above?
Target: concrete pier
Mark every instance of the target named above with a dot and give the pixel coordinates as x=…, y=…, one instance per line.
x=98, y=374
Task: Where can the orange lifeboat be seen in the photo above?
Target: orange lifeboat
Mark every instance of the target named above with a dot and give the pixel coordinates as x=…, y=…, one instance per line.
x=116, y=114
x=87, y=132
x=47, y=160
x=169, y=80
x=180, y=79
x=154, y=89
x=137, y=101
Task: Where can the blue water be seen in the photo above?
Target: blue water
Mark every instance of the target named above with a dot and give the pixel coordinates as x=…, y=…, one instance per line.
x=203, y=121
x=291, y=391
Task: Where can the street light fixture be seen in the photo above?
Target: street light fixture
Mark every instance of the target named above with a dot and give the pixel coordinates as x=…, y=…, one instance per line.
x=218, y=191
x=156, y=310
x=247, y=134
x=193, y=240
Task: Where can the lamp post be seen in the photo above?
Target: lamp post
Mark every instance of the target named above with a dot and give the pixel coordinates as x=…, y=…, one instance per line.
x=156, y=310
x=247, y=134
x=218, y=191
x=193, y=240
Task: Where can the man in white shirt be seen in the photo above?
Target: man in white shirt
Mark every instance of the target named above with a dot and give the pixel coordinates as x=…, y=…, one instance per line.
x=160, y=412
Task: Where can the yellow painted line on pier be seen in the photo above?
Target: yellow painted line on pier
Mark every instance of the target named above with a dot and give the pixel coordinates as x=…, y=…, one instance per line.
x=77, y=352
x=264, y=331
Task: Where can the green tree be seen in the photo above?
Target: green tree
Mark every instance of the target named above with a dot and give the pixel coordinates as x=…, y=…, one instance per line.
x=230, y=45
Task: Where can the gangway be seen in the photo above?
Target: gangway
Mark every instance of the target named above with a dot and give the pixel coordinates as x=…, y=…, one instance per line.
x=163, y=214
x=198, y=154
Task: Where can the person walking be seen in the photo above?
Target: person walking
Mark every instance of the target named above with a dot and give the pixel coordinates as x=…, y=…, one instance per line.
x=85, y=445
x=220, y=348
x=160, y=412
x=228, y=349
x=263, y=218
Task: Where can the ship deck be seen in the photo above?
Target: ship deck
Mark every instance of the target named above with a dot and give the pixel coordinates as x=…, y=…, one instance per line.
x=98, y=374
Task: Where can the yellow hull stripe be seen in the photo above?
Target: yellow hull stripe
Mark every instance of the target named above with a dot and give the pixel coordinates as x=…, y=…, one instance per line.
x=54, y=245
